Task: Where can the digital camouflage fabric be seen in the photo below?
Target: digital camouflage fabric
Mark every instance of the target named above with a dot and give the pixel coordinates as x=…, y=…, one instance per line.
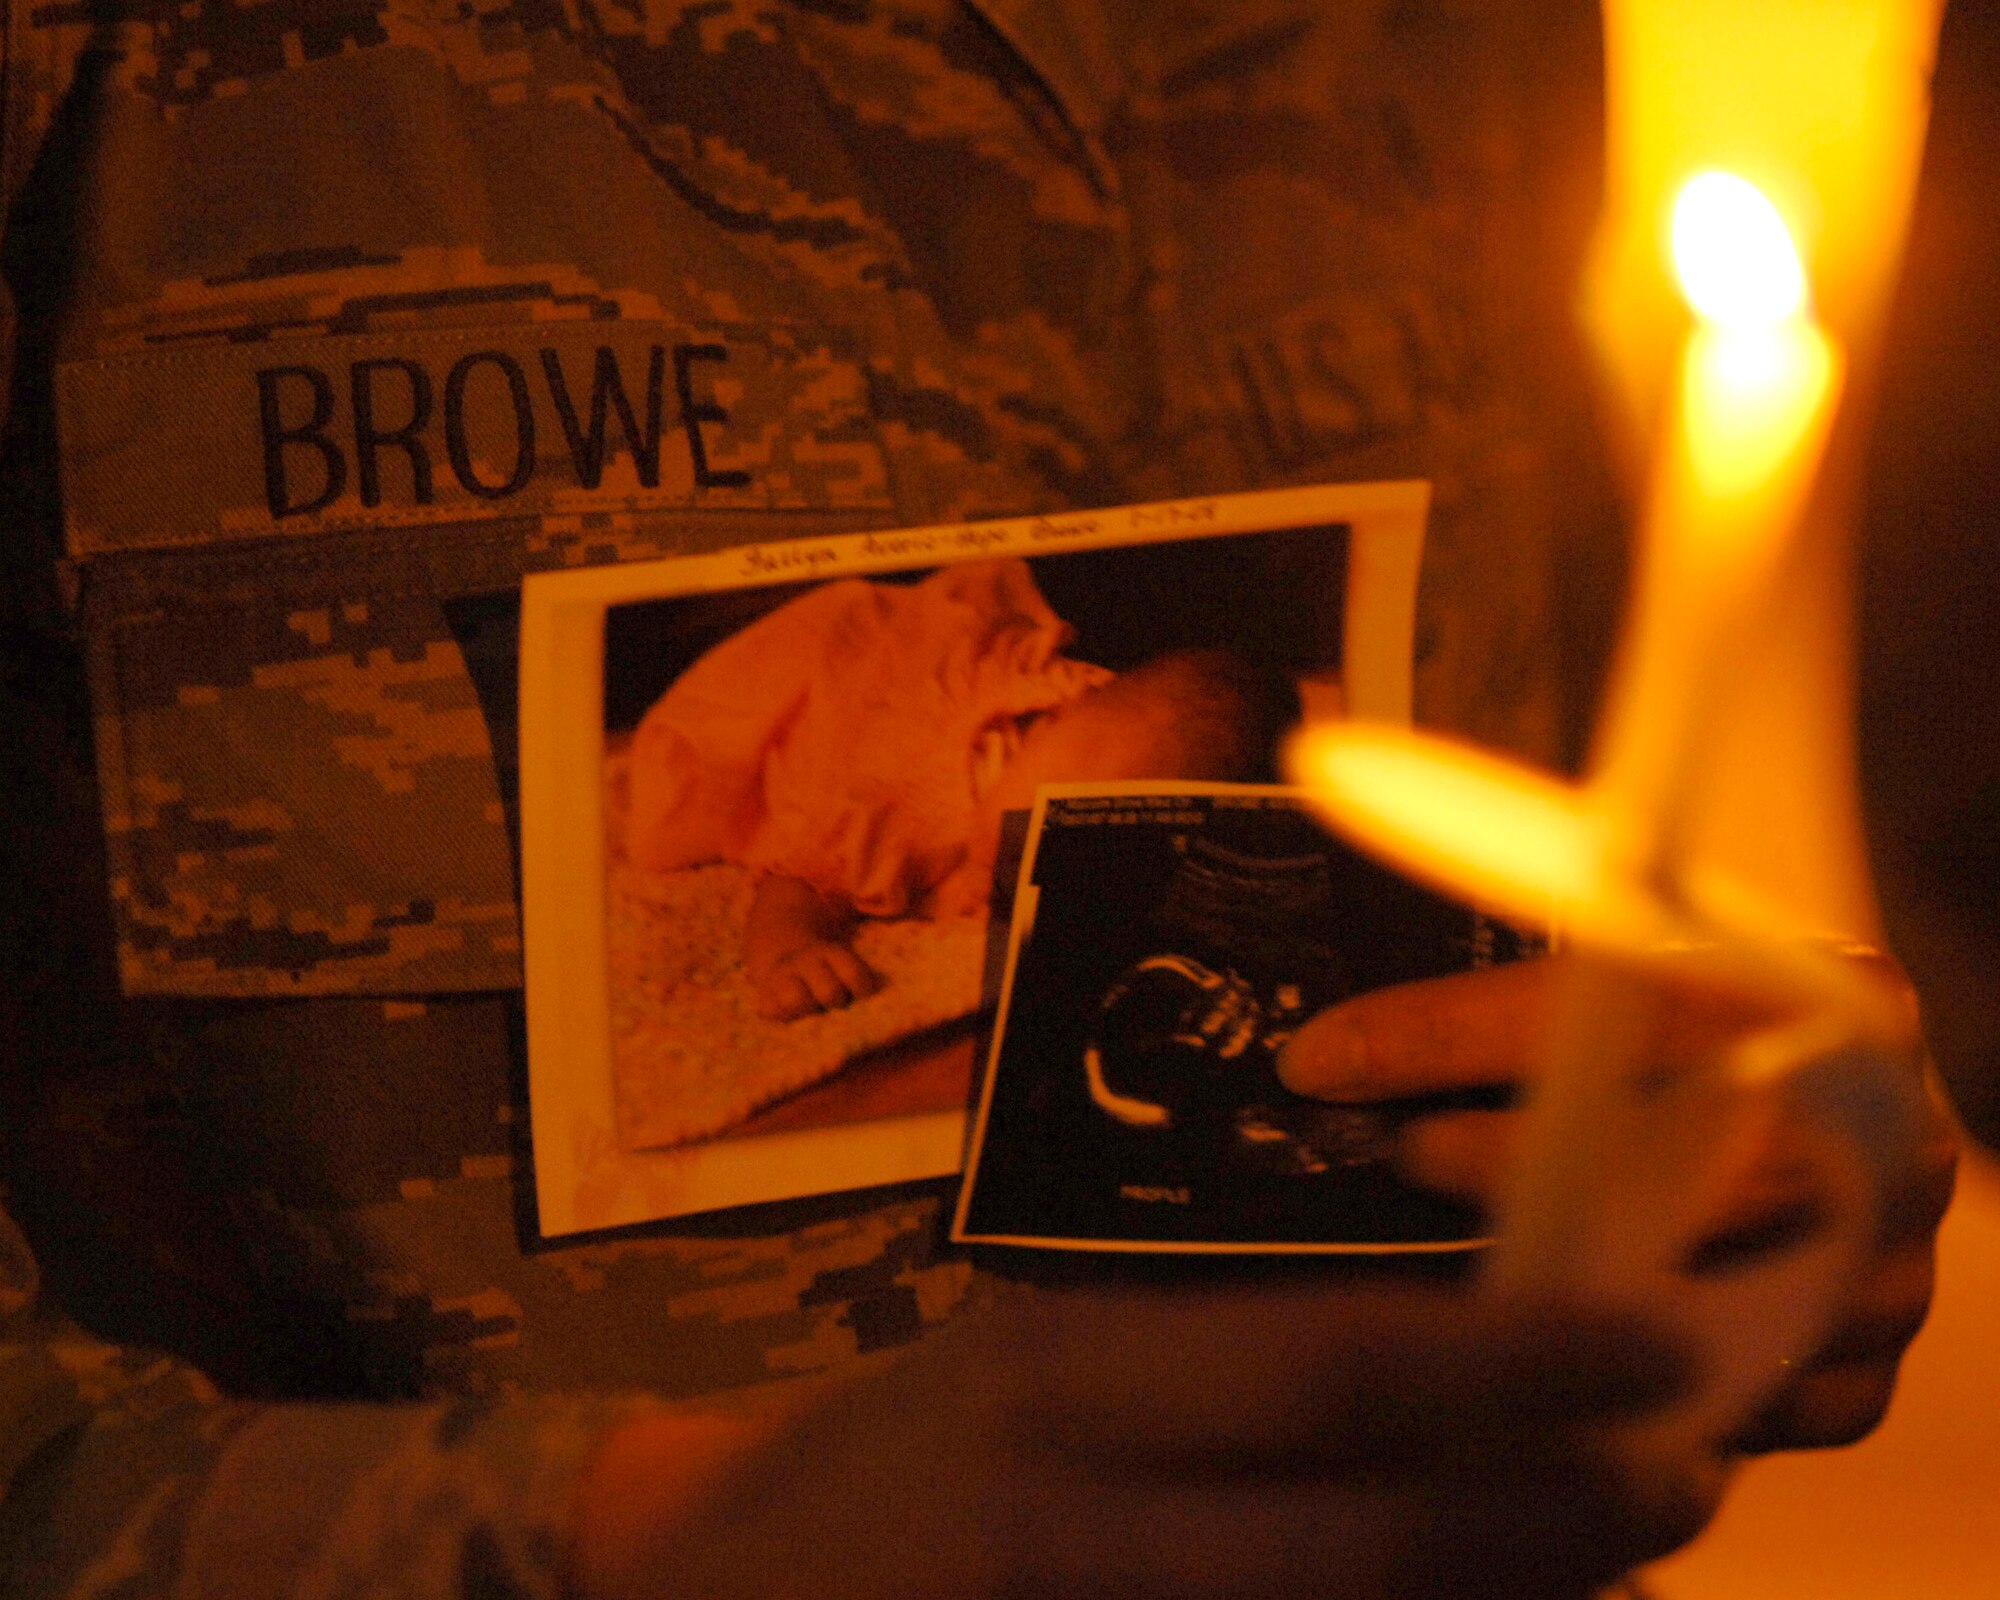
x=129, y=1475
x=369, y=307
x=375, y=306
x=335, y=317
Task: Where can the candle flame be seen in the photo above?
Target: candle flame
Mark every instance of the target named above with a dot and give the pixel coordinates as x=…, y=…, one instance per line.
x=1756, y=399
x=1474, y=824
x=1734, y=255
x=1758, y=369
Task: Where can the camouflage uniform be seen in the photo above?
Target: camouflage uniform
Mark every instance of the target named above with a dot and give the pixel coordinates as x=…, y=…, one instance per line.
x=337, y=317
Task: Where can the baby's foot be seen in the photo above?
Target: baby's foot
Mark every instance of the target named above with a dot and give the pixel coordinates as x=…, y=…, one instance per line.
x=821, y=976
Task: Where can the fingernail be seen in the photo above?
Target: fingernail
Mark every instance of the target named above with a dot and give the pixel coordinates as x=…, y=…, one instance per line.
x=1326, y=1056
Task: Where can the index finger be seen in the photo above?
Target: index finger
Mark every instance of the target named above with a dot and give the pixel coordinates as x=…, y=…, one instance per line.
x=1483, y=1029
x=1468, y=1030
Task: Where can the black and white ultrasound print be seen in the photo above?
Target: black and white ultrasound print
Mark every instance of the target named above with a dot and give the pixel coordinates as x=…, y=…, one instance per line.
x=1166, y=942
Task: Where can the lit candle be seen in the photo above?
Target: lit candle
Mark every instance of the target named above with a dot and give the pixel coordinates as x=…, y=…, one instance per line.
x=1761, y=159
x=1757, y=386
x=1761, y=156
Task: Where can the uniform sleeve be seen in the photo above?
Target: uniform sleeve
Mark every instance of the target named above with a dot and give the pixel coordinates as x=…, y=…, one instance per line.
x=124, y=1473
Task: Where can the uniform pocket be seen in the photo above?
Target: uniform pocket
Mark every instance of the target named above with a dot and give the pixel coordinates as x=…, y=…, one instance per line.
x=301, y=793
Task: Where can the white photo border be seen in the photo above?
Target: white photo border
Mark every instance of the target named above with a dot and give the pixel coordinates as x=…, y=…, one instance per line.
x=584, y=1180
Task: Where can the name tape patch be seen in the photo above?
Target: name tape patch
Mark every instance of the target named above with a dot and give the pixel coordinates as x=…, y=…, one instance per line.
x=228, y=442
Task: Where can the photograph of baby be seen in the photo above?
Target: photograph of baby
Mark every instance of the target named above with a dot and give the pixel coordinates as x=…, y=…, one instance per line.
x=806, y=785
x=773, y=801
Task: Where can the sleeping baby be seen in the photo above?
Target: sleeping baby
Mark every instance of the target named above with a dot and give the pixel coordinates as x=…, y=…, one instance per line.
x=857, y=748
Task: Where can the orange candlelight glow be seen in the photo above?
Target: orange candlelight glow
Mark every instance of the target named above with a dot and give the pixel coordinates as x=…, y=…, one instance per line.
x=1757, y=370
x=1734, y=255
x=1820, y=104
x=1758, y=381
x=1743, y=439
x=1761, y=160
x=1762, y=157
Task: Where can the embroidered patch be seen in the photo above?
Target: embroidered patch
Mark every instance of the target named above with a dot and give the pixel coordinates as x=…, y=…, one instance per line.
x=236, y=441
